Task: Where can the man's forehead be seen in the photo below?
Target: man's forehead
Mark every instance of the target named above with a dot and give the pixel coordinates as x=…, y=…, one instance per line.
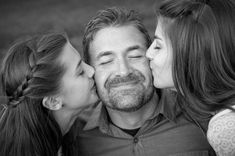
x=113, y=39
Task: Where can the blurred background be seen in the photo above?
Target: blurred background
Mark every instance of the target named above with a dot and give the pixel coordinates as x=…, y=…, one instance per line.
x=22, y=18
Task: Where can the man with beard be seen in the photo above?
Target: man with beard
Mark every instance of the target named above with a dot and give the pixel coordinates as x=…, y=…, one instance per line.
x=130, y=120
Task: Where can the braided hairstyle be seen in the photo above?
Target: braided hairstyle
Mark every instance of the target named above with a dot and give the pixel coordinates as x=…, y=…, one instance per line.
x=31, y=71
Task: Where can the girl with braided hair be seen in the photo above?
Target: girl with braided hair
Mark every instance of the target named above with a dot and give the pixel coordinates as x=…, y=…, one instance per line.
x=47, y=85
x=193, y=54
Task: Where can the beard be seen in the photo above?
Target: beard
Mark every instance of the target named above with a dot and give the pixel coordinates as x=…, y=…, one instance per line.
x=126, y=94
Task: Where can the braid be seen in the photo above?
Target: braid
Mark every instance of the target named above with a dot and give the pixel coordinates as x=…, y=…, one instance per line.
x=23, y=89
x=18, y=95
x=30, y=71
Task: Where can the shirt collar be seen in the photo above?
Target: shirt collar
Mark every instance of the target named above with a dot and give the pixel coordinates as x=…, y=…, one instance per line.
x=98, y=118
x=166, y=106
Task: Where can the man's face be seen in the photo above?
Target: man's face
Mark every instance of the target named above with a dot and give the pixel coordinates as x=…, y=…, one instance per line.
x=122, y=74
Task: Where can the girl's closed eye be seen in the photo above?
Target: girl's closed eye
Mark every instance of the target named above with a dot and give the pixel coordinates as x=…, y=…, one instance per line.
x=79, y=73
x=157, y=47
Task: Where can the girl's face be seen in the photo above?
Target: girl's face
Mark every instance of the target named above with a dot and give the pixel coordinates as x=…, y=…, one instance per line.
x=160, y=56
x=78, y=87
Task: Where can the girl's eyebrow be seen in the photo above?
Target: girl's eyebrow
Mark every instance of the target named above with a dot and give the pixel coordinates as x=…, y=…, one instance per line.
x=156, y=37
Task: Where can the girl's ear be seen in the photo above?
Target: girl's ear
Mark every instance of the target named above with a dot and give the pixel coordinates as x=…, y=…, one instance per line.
x=52, y=103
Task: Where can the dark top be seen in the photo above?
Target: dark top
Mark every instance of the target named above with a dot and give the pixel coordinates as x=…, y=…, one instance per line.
x=166, y=133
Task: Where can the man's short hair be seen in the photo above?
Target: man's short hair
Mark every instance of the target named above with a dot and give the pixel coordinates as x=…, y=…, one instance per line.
x=112, y=17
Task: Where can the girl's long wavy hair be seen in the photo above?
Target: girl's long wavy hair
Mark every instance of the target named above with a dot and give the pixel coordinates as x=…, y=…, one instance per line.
x=203, y=71
x=31, y=71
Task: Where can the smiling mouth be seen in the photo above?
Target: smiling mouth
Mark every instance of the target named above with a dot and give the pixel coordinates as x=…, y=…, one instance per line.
x=123, y=84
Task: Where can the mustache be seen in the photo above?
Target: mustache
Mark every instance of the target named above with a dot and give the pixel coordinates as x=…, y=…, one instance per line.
x=132, y=78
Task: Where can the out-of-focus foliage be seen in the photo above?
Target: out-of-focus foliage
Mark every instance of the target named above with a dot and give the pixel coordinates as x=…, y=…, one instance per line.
x=21, y=18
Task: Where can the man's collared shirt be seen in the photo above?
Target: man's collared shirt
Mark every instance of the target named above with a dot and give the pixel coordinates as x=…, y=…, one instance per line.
x=166, y=133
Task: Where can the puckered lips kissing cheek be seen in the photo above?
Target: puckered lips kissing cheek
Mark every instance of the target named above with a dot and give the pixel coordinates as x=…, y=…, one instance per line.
x=151, y=64
x=153, y=68
x=93, y=86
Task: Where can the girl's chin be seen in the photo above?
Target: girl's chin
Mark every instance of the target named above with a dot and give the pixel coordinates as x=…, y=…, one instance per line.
x=158, y=84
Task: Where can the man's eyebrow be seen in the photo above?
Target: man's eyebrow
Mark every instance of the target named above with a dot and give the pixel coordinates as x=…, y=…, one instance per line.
x=79, y=63
x=134, y=48
x=104, y=53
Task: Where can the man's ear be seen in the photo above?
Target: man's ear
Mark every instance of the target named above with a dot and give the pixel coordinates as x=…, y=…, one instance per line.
x=52, y=103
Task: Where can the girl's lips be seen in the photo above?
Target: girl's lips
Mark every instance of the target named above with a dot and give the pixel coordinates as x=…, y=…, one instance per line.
x=93, y=85
x=151, y=65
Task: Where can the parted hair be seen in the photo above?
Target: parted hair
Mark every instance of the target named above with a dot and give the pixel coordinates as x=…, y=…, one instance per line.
x=202, y=68
x=29, y=72
x=112, y=17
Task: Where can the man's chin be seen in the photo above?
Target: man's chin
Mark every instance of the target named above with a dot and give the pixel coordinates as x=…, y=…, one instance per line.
x=126, y=90
x=127, y=102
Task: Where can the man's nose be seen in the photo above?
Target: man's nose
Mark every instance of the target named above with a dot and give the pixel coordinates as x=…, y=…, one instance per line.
x=124, y=68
